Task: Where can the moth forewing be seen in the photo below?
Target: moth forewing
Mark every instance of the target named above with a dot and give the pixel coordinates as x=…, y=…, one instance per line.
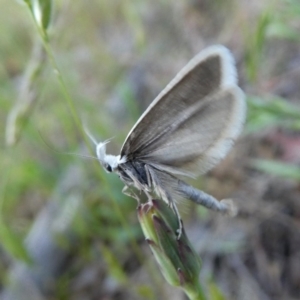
x=198, y=140
x=209, y=71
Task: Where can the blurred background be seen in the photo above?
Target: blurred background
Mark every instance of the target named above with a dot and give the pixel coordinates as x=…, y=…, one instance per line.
x=66, y=230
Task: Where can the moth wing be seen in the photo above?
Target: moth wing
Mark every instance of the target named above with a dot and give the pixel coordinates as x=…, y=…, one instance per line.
x=191, y=125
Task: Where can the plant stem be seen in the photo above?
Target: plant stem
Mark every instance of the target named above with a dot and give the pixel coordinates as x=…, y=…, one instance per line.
x=195, y=292
x=45, y=40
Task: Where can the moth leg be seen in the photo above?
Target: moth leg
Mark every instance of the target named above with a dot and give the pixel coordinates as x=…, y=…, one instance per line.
x=149, y=182
x=148, y=195
x=175, y=209
x=225, y=206
x=131, y=194
x=173, y=206
x=149, y=177
x=136, y=183
x=154, y=183
x=166, y=196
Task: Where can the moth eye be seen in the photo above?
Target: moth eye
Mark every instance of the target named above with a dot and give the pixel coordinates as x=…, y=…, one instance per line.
x=108, y=168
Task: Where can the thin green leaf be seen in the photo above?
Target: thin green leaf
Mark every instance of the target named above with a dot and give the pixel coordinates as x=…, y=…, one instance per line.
x=42, y=11
x=282, y=30
x=12, y=243
x=9, y=240
x=277, y=168
x=114, y=266
x=214, y=292
x=274, y=112
x=46, y=8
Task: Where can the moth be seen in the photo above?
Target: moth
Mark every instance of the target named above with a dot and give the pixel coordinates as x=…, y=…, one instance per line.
x=187, y=129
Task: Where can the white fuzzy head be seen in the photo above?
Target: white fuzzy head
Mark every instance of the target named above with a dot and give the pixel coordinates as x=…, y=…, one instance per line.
x=109, y=162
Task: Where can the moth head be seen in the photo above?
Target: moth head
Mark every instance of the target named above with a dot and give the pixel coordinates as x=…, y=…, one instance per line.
x=108, y=162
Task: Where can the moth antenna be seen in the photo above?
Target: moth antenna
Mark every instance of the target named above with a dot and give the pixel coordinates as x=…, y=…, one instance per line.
x=91, y=137
x=80, y=155
x=64, y=153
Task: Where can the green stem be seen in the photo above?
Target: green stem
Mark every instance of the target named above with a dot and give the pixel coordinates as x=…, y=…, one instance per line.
x=195, y=292
x=45, y=40
x=62, y=83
